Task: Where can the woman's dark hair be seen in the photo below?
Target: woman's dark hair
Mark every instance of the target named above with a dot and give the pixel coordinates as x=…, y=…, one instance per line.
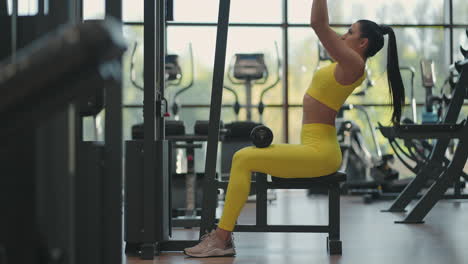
x=375, y=34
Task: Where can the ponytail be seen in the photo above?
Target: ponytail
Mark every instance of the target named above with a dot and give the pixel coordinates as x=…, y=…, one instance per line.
x=395, y=83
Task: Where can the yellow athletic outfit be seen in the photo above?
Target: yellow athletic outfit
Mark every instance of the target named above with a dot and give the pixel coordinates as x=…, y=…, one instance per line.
x=318, y=154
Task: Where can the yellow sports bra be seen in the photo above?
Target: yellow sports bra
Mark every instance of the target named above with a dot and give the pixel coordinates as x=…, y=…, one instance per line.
x=328, y=91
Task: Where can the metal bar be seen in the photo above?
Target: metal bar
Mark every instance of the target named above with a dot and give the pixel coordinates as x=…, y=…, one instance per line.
x=47, y=7
x=210, y=193
x=283, y=228
x=248, y=100
x=454, y=196
x=285, y=73
x=113, y=176
x=160, y=66
x=429, y=171
x=55, y=172
x=40, y=8
x=433, y=168
x=188, y=146
x=79, y=10
x=89, y=205
x=431, y=131
x=340, y=25
x=440, y=186
x=334, y=212
x=282, y=185
x=190, y=181
x=3, y=10
x=451, y=30
x=394, y=25
x=113, y=8
x=261, y=199
x=270, y=105
x=14, y=31
x=72, y=19
x=149, y=123
x=210, y=24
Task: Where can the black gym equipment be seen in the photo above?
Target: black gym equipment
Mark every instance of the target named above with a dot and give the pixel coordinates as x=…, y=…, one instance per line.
x=148, y=174
x=435, y=166
x=418, y=151
x=186, y=199
x=370, y=175
x=261, y=136
x=63, y=204
x=249, y=69
x=415, y=154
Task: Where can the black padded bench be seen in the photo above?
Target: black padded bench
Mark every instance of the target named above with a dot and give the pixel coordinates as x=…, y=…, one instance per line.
x=329, y=182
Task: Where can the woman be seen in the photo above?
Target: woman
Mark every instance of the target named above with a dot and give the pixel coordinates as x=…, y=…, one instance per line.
x=319, y=153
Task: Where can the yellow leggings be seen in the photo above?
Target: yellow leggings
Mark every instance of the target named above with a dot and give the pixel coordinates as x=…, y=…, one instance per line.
x=318, y=155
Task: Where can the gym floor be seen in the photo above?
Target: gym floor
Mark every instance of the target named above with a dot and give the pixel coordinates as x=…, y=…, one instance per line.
x=368, y=235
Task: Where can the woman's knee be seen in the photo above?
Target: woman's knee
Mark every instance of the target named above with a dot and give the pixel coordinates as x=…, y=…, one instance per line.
x=241, y=155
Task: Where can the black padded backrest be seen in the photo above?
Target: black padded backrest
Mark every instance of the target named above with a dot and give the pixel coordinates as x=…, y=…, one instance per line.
x=174, y=127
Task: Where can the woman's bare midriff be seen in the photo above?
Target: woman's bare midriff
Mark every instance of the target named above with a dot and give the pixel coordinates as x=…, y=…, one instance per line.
x=317, y=112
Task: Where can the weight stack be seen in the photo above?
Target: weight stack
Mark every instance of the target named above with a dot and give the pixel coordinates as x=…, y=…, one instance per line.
x=147, y=221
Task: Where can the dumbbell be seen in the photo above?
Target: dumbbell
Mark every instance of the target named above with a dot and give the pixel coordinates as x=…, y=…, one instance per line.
x=261, y=136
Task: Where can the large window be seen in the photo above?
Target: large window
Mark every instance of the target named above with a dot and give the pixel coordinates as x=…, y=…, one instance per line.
x=382, y=11
x=460, y=11
x=414, y=45
x=94, y=9
x=242, y=11
x=422, y=28
x=25, y=7
x=460, y=39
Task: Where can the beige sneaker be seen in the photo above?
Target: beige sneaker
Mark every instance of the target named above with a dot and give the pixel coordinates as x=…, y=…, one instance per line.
x=211, y=246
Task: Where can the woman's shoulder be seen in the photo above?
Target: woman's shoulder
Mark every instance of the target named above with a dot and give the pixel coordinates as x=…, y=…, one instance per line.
x=346, y=75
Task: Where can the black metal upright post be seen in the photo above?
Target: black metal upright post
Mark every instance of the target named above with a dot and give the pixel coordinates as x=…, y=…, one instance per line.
x=3, y=8
x=285, y=69
x=155, y=161
x=451, y=30
x=149, y=124
x=160, y=66
x=5, y=21
x=113, y=158
x=210, y=193
x=14, y=29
